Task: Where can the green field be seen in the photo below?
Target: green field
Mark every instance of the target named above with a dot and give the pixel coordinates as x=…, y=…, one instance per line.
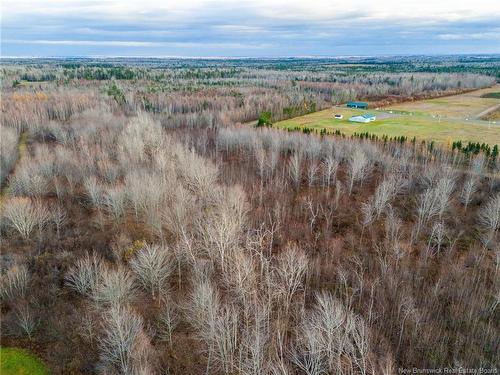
x=443, y=120
x=14, y=361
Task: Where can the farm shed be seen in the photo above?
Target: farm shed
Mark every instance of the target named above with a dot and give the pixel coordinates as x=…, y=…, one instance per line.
x=361, y=105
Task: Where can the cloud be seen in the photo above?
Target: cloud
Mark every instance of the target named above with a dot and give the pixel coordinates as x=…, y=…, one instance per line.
x=110, y=43
x=119, y=43
x=494, y=35
x=311, y=11
x=257, y=27
x=240, y=29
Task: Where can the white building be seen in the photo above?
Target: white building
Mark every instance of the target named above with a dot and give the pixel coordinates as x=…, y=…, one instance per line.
x=367, y=117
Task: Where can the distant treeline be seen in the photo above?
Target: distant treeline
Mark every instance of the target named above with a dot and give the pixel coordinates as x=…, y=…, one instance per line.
x=102, y=73
x=130, y=68
x=39, y=77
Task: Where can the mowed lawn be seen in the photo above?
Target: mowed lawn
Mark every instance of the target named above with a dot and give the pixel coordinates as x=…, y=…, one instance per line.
x=408, y=119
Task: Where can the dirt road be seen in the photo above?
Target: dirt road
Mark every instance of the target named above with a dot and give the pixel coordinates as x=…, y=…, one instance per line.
x=487, y=111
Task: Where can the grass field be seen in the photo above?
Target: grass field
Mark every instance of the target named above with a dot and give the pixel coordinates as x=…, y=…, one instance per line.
x=443, y=120
x=14, y=361
x=469, y=105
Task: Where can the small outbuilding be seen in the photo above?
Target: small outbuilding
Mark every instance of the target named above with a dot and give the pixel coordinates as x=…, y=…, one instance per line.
x=360, y=105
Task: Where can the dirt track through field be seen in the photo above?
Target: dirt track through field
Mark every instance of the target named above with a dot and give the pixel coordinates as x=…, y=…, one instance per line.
x=487, y=111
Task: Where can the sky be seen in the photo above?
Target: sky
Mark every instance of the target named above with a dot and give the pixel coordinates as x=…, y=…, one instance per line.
x=257, y=28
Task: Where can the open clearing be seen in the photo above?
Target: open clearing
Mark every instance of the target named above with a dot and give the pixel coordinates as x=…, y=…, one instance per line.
x=15, y=361
x=443, y=119
x=468, y=105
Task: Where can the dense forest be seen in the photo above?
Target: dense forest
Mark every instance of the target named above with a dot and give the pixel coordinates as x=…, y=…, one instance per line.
x=147, y=228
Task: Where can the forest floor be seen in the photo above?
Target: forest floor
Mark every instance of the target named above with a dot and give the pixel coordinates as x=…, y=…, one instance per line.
x=21, y=151
x=444, y=119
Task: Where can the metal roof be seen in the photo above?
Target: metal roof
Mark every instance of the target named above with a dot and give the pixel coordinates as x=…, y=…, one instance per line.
x=354, y=118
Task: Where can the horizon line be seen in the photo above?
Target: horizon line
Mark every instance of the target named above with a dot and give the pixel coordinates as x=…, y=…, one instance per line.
x=308, y=56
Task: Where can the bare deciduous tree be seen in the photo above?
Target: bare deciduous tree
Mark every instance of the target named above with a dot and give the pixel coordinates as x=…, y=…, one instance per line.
x=84, y=276
x=330, y=167
x=179, y=215
x=8, y=150
x=329, y=335
x=203, y=304
x=294, y=168
x=261, y=159
x=443, y=191
x=29, y=180
x=222, y=231
x=338, y=193
x=226, y=340
x=153, y=265
x=115, y=286
x=94, y=191
x=168, y=319
x=368, y=213
x=489, y=218
x=290, y=269
x=433, y=202
x=255, y=342
x=241, y=277
x=199, y=175
x=26, y=320
x=308, y=356
x=89, y=326
x=313, y=212
x=360, y=342
x=203, y=308
x=326, y=323
x=385, y=192
x=312, y=172
x=25, y=215
x=121, y=344
x=58, y=217
x=114, y=201
x=436, y=239
x=468, y=190
x=14, y=283
x=359, y=167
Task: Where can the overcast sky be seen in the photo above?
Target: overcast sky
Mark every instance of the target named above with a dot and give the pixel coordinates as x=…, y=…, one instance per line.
x=249, y=28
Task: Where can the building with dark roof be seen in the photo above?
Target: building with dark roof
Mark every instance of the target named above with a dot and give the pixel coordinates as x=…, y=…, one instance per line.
x=361, y=105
